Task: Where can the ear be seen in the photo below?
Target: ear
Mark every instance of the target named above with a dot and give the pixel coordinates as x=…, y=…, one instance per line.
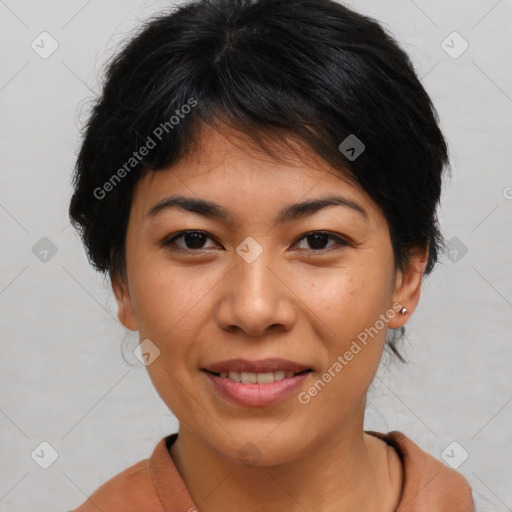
x=125, y=311
x=408, y=287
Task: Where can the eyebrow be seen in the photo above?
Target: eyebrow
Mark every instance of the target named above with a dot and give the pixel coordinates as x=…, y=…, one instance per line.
x=287, y=214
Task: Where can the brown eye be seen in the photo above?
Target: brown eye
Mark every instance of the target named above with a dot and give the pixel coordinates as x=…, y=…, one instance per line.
x=195, y=240
x=318, y=240
x=191, y=240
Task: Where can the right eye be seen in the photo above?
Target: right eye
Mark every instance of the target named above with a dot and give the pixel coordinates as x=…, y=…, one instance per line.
x=193, y=238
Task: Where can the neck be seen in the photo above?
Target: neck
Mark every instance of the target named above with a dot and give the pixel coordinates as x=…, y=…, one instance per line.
x=349, y=470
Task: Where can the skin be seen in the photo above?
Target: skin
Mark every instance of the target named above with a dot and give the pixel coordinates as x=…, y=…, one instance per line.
x=295, y=301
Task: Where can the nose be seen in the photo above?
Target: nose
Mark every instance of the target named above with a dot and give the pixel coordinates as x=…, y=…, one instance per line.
x=256, y=298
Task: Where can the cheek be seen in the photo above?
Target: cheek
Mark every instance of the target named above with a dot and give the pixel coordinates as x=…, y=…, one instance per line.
x=167, y=299
x=170, y=308
x=349, y=305
x=347, y=300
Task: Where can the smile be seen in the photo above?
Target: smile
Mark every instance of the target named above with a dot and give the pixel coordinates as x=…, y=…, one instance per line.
x=257, y=378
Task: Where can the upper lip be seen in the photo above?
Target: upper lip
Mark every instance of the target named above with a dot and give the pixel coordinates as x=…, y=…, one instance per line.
x=260, y=366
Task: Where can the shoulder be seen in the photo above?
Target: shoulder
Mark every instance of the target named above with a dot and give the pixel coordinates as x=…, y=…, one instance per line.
x=129, y=491
x=429, y=484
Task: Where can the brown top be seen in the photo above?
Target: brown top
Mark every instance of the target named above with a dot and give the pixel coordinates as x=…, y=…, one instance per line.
x=155, y=485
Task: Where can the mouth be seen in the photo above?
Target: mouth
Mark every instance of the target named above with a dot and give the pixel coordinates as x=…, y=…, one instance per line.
x=257, y=377
x=263, y=371
x=257, y=388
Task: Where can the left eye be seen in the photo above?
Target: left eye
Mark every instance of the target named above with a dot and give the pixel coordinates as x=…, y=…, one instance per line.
x=195, y=240
x=318, y=239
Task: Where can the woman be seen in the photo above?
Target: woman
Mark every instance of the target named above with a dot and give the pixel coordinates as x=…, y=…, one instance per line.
x=259, y=179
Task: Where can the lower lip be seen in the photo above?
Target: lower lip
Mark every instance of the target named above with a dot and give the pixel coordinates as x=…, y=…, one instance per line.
x=257, y=395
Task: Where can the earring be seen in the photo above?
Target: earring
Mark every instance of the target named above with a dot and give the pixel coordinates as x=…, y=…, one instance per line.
x=403, y=311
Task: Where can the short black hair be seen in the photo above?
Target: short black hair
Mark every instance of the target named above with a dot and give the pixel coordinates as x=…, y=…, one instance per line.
x=313, y=71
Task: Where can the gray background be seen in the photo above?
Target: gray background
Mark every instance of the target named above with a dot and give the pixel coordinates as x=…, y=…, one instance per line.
x=62, y=375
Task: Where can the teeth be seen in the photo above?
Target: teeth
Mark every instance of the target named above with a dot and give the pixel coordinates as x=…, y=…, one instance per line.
x=256, y=378
x=248, y=378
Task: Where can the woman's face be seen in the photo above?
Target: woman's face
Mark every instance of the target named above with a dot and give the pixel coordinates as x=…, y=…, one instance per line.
x=254, y=286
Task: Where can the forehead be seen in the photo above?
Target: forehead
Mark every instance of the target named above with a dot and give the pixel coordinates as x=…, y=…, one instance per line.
x=228, y=168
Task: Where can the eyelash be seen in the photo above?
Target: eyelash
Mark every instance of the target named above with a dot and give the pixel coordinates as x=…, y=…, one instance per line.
x=170, y=240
